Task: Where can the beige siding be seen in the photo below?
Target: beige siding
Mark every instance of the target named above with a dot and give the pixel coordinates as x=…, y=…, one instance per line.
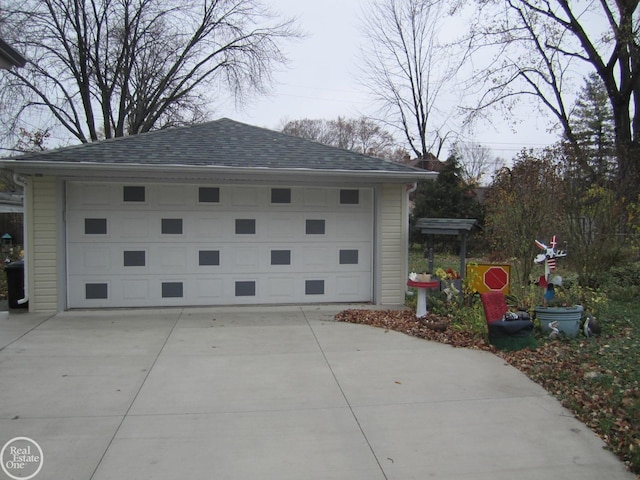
x=393, y=244
x=42, y=244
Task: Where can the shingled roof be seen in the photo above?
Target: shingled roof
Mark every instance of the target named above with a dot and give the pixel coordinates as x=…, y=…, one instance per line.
x=224, y=144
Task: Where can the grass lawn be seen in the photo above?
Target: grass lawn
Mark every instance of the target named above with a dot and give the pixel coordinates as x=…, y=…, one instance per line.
x=598, y=378
x=417, y=262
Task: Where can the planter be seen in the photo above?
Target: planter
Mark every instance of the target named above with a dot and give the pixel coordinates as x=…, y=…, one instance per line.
x=568, y=318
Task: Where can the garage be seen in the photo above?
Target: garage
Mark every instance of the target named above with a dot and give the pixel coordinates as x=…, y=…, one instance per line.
x=134, y=245
x=218, y=213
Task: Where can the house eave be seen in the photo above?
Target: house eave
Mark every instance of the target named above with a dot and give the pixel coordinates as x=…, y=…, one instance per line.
x=9, y=57
x=224, y=174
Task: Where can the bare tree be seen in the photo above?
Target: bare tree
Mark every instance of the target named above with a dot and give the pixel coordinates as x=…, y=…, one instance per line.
x=476, y=162
x=361, y=135
x=32, y=141
x=406, y=68
x=317, y=130
x=108, y=68
x=543, y=47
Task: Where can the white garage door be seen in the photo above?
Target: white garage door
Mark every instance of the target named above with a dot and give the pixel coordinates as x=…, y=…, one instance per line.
x=173, y=245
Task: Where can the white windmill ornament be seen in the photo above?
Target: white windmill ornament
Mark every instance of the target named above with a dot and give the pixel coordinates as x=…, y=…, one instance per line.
x=548, y=258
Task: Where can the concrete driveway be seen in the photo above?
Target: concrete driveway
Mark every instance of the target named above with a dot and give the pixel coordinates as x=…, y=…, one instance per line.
x=274, y=393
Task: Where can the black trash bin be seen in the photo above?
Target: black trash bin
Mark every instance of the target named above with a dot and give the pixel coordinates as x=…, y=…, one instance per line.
x=15, y=283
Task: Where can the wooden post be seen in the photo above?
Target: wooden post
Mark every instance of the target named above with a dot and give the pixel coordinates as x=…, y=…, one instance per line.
x=463, y=254
x=430, y=247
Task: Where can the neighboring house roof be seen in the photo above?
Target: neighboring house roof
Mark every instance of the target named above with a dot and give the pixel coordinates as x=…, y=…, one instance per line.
x=9, y=57
x=219, y=146
x=430, y=163
x=10, y=202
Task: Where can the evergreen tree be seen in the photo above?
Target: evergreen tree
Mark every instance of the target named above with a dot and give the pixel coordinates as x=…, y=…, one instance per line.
x=446, y=197
x=593, y=212
x=593, y=127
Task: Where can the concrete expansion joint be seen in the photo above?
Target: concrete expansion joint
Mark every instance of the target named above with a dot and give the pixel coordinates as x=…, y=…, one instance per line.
x=133, y=401
x=346, y=399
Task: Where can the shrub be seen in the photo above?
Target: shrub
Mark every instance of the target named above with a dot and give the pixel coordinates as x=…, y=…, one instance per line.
x=623, y=282
x=470, y=318
x=594, y=300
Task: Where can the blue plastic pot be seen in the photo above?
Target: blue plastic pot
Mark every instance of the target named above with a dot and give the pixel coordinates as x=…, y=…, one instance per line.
x=568, y=318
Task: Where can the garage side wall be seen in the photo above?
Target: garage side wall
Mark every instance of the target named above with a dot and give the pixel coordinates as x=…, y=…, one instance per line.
x=393, y=244
x=42, y=244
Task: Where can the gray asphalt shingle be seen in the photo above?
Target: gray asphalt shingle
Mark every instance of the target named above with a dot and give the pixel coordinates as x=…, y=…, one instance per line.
x=223, y=143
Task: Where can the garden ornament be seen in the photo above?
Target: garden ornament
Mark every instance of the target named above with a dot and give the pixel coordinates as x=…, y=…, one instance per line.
x=590, y=327
x=550, y=292
x=549, y=259
x=555, y=331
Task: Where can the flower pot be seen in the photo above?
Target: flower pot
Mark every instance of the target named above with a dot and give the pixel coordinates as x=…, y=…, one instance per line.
x=568, y=318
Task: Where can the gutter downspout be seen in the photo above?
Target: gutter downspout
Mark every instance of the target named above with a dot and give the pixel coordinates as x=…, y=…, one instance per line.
x=410, y=189
x=23, y=183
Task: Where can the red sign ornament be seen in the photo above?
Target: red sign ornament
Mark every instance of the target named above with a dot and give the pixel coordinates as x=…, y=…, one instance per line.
x=496, y=278
x=488, y=277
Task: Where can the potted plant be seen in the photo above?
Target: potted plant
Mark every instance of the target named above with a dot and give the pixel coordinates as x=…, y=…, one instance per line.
x=571, y=298
x=560, y=318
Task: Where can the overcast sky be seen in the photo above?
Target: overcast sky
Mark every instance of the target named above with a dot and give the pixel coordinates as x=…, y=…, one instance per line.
x=321, y=81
